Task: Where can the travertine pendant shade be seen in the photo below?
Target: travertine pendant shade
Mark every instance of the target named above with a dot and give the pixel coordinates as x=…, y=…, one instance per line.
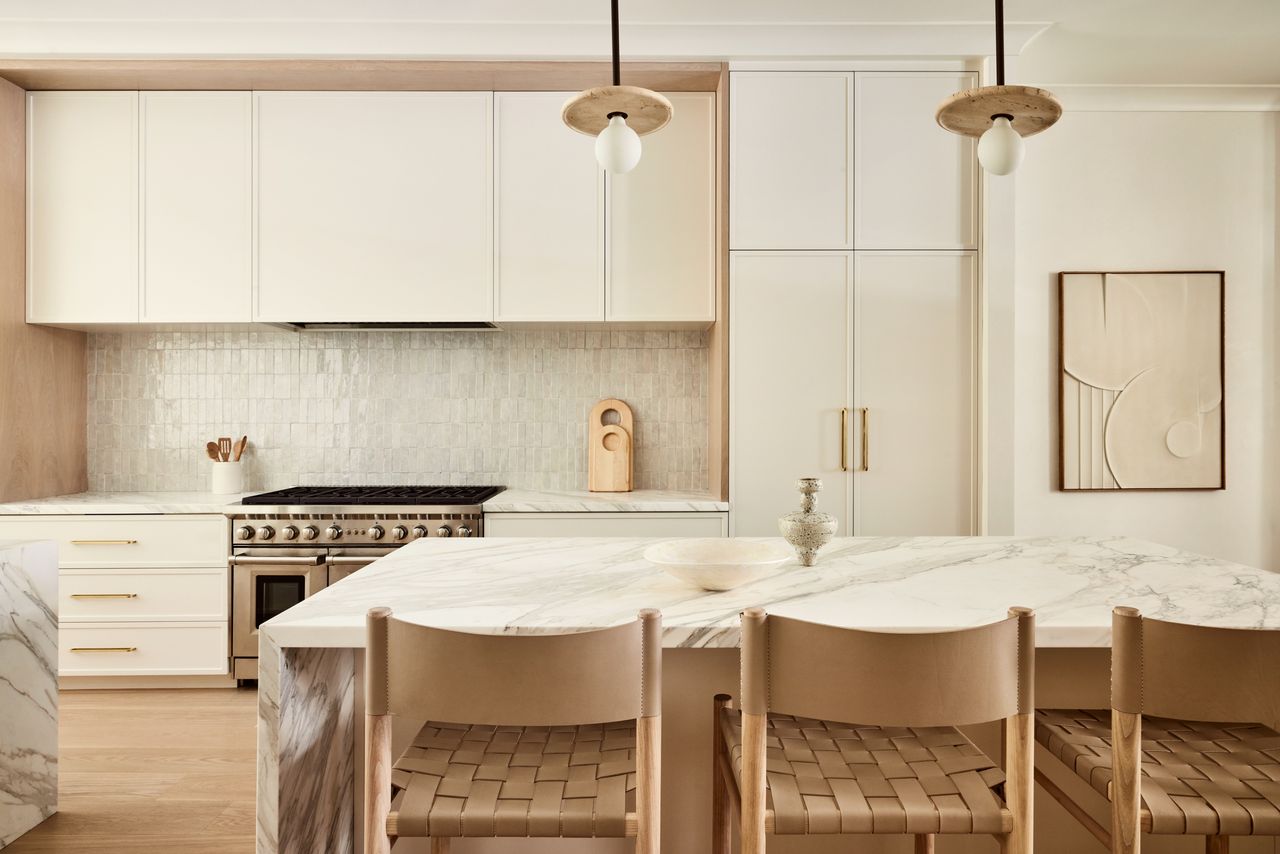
x=588, y=111
x=971, y=111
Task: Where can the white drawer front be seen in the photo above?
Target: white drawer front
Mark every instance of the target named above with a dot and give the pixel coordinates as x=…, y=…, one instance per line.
x=606, y=524
x=114, y=595
x=128, y=541
x=143, y=649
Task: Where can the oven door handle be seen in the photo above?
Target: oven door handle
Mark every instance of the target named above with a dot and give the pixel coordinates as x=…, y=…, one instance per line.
x=283, y=560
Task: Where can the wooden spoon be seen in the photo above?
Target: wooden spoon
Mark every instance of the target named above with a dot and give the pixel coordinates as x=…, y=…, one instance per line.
x=212, y=449
x=240, y=446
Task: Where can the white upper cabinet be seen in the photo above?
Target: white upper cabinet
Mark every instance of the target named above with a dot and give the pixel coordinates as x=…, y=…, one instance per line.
x=197, y=207
x=82, y=207
x=662, y=222
x=790, y=163
x=374, y=206
x=548, y=214
x=914, y=182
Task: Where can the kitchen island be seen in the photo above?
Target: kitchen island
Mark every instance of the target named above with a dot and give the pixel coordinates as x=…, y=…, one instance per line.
x=310, y=709
x=28, y=686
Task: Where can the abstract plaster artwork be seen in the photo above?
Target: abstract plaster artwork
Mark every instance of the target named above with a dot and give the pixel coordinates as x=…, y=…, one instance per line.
x=1141, y=378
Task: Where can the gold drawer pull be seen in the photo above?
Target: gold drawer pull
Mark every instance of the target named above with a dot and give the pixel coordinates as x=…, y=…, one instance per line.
x=104, y=542
x=104, y=595
x=104, y=649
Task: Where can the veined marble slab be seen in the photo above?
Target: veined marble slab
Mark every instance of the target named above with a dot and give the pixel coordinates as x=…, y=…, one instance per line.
x=106, y=503
x=522, y=585
x=639, y=501
x=28, y=686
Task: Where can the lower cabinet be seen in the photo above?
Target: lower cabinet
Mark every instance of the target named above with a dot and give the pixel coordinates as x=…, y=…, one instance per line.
x=138, y=595
x=606, y=524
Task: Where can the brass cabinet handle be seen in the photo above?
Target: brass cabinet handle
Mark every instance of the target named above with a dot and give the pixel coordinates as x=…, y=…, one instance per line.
x=104, y=542
x=866, y=439
x=104, y=595
x=104, y=649
x=844, y=438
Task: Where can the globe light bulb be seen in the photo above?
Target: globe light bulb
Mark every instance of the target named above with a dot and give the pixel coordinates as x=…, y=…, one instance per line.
x=618, y=146
x=1000, y=149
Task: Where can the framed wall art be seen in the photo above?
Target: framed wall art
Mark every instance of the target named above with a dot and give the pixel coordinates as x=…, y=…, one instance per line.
x=1141, y=380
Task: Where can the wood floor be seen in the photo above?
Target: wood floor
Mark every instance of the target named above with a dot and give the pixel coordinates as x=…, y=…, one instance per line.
x=152, y=772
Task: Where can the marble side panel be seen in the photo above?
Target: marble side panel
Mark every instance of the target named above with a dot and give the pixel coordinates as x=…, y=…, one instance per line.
x=28, y=687
x=316, y=776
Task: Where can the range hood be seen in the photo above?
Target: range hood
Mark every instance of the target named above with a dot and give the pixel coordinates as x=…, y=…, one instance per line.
x=396, y=326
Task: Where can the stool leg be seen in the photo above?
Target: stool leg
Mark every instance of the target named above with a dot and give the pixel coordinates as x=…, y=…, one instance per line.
x=1126, y=781
x=924, y=843
x=439, y=845
x=752, y=792
x=1217, y=845
x=721, y=809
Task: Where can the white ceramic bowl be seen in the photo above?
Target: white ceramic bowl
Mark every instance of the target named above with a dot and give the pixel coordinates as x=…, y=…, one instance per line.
x=718, y=563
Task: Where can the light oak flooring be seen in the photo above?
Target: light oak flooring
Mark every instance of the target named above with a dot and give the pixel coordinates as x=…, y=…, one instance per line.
x=152, y=772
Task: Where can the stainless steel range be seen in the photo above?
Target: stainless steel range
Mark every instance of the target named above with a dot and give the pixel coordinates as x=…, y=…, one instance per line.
x=288, y=544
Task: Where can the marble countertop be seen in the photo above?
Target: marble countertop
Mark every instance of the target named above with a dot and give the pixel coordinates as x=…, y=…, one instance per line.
x=102, y=503
x=522, y=585
x=639, y=501
x=509, y=501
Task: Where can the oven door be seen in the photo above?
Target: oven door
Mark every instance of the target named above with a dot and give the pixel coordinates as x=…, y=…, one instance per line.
x=267, y=582
x=344, y=562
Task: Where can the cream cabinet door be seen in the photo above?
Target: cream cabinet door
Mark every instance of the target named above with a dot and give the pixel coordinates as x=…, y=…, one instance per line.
x=790, y=172
x=548, y=215
x=82, y=207
x=374, y=206
x=661, y=224
x=914, y=183
x=790, y=383
x=914, y=361
x=197, y=206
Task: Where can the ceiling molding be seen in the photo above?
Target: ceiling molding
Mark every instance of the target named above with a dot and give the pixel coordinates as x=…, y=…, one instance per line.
x=1107, y=98
x=416, y=39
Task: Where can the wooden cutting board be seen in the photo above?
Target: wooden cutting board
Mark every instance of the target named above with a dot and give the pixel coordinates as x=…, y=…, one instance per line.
x=610, y=447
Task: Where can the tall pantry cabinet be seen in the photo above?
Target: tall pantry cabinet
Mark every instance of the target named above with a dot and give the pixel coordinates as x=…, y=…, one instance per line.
x=853, y=292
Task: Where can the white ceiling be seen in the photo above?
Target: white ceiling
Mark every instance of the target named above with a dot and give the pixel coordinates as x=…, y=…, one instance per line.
x=1090, y=41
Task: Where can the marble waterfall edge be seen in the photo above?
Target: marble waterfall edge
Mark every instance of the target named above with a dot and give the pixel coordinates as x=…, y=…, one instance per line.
x=28, y=686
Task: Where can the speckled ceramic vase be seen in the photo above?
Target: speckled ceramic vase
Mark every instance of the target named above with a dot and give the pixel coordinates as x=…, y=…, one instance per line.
x=808, y=530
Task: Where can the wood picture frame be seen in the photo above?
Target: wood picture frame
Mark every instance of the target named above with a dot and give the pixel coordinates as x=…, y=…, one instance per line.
x=1102, y=335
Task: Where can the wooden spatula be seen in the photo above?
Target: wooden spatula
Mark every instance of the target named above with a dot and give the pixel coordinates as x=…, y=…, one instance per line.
x=224, y=448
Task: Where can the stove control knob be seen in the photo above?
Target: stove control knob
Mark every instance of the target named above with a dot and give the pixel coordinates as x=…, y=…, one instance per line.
x=244, y=532
x=444, y=531
x=419, y=531
x=333, y=532
x=266, y=532
x=310, y=532
x=399, y=532
x=376, y=532
x=464, y=531
x=289, y=532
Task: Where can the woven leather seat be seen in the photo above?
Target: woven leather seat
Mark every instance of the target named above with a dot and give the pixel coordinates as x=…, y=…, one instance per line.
x=461, y=780
x=1197, y=778
x=825, y=777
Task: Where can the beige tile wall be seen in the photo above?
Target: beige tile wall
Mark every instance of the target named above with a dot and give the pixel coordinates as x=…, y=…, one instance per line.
x=405, y=407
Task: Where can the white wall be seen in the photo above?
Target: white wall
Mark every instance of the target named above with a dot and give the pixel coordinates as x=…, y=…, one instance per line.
x=1151, y=191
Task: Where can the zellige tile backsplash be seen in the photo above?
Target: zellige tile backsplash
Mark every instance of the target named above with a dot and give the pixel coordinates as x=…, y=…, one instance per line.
x=504, y=407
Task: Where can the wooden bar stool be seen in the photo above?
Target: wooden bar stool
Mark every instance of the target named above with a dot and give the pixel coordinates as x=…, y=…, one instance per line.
x=526, y=736
x=790, y=764
x=1178, y=752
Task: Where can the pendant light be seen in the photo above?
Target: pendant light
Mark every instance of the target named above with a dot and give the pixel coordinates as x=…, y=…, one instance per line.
x=617, y=116
x=1000, y=116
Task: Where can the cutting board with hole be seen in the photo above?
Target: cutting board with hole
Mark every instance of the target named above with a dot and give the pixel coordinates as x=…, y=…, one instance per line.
x=610, y=446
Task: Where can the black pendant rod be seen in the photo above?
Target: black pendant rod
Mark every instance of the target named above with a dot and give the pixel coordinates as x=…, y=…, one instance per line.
x=617, y=70
x=999, y=41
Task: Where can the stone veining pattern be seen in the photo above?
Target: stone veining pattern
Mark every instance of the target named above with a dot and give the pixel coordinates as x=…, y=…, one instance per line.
x=28, y=687
x=505, y=407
